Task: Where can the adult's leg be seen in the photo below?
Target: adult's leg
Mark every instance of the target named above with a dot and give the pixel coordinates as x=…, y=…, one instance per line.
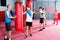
x=9, y=34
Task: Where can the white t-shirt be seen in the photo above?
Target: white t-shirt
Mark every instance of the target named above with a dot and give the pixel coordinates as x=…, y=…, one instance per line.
x=29, y=18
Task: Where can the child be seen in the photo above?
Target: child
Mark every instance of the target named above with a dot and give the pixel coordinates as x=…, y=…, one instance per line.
x=29, y=22
x=44, y=16
x=56, y=18
x=8, y=22
x=41, y=19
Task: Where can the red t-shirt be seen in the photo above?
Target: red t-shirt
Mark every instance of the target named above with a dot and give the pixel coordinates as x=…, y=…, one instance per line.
x=55, y=15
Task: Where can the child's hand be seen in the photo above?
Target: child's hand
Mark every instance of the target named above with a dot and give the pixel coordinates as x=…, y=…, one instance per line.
x=14, y=17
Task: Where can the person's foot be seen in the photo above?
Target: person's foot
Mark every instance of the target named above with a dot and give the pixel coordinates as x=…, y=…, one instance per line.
x=26, y=37
x=7, y=38
x=30, y=34
x=41, y=30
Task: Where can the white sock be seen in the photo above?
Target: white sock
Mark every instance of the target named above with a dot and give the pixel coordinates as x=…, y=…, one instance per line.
x=5, y=37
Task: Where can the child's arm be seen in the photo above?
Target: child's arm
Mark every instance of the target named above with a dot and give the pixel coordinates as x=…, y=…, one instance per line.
x=25, y=12
x=31, y=14
x=7, y=13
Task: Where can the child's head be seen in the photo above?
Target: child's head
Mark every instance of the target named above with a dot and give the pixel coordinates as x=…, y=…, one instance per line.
x=40, y=8
x=28, y=7
x=9, y=7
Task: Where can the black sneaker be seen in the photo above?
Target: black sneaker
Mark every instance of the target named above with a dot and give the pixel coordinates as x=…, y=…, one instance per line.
x=41, y=30
x=5, y=38
x=30, y=34
x=26, y=37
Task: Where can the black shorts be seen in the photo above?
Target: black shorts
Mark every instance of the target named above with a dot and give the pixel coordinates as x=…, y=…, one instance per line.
x=8, y=26
x=29, y=24
x=41, y=20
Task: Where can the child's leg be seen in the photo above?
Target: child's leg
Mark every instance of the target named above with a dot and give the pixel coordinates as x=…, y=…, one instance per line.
x=8, y=29
x=45, y=22
x=9, y=35
x=40, y=26
x=41, y=22
x=5, y=35
x=43, y=26
x=56, y=21
x=30, y=31
x=27, y=31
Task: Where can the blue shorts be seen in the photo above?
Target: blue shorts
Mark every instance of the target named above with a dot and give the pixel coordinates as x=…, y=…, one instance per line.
x=8, y=26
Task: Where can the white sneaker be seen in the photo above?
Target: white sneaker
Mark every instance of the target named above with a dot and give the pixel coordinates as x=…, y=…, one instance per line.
x=9, y=38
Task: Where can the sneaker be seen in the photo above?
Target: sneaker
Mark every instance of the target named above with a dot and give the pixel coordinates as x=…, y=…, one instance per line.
x=5, y=38
x=41, y=30
x=30, y=34
x=26, y=37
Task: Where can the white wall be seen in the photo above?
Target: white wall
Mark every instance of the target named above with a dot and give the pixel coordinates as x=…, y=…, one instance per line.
x=11, y=2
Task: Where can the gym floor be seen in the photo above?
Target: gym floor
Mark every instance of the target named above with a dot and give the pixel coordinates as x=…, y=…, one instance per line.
x=51, y=32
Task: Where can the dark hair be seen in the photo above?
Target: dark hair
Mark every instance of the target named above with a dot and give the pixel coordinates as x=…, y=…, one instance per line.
x=7, y=6
x=40, y=7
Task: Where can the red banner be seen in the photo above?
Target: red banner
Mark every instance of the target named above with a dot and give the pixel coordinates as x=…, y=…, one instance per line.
x=50, y=9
